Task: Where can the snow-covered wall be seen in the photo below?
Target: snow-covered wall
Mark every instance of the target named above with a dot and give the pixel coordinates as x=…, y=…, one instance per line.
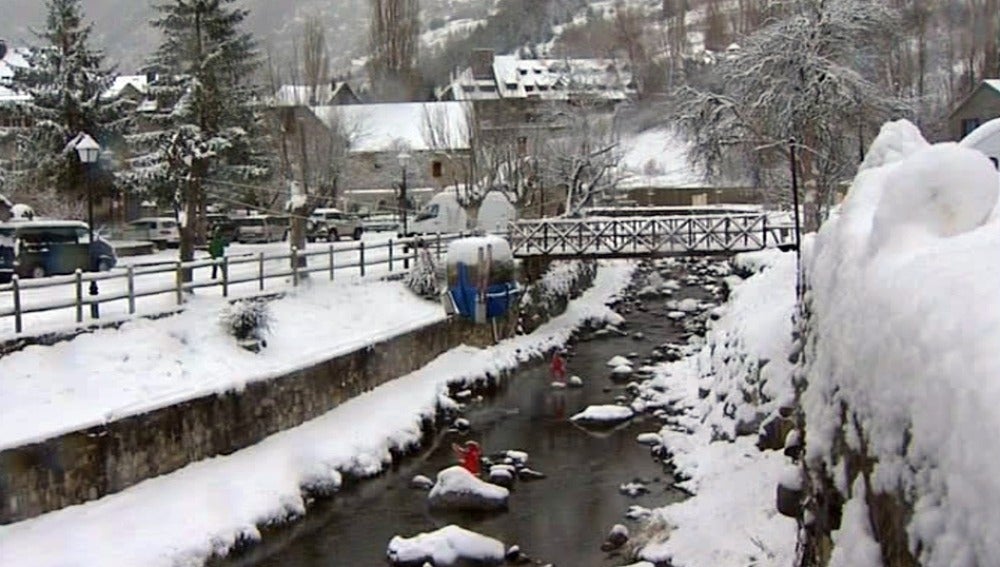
x=902, y=365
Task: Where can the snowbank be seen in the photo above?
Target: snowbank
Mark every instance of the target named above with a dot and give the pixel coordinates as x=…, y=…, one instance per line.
x=603, y=414
x=445, y=547
x=905, y=322
x=739, y=376
x=185, y=517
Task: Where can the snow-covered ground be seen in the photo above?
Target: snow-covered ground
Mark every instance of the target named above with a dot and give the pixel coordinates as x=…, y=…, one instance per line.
x=184, y=517
x=146, y=364
x=731, y=520
x=658, y=158
x=906, y=319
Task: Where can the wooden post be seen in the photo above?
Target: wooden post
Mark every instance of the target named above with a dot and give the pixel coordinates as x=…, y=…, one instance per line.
x=79, y=295
x=16, y=283
x=438, y=239
x=131, y=290
x=331, y=263
x=390, y=255
x=764, y=232
x=180, y=283
x=225, y=276
x=295, y=267
x=361, y=251
x=260, y=271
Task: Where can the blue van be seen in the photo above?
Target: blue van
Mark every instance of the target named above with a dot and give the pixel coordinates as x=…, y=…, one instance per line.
x=35, y=249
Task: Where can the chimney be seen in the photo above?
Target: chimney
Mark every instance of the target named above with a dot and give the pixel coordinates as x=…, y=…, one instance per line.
x=482, y=64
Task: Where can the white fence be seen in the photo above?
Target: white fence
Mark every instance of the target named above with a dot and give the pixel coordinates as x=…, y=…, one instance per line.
x=64, y=300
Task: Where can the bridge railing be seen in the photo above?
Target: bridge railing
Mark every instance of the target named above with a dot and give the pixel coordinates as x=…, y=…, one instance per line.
x=643, y=236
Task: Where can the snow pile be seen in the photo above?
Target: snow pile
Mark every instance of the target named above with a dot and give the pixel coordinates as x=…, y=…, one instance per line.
x=459, y=489
x=740, y=375
x=659, y=158
x=466, y=250
x=445, y=547
x=905, y=323
x=204, y=509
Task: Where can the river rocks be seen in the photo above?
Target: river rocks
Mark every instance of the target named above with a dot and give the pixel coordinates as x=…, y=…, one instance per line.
x=515, y=556
x=575, y=382
x=789, y=496
x=603, y=415
x=558, y=385
x=638, y=336
x=650, y=439
x=618, y=361
x=450, y=546
x=421, y=482
x=638, y=513
x=458, y=489
x=621, y=372
x=633, y=489
x=617, y=537
x=461, y=424
x=527, y=474
x=502, y=475
x=516, y=458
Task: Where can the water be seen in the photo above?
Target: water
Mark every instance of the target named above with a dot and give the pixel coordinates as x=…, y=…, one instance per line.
x=562, y=519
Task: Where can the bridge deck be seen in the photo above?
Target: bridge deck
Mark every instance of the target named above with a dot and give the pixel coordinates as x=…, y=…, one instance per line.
x=636, y=237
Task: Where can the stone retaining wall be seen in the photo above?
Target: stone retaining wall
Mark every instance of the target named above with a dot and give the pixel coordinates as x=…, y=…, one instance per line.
x=85, y=465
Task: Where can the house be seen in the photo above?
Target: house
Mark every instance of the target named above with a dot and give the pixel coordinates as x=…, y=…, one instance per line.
x=336, y=93
x=434, y=135
x=977, y=108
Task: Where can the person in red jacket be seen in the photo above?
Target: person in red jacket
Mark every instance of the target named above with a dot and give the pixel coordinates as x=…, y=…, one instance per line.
x=558, y=367
x=470, y=456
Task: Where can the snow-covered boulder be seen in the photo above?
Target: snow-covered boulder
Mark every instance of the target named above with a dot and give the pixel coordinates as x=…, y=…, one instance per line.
x=622, y=371
x=650, y=439
x=502, y=475
x=603, y=415
x=940, y=191
x=617, y=537
x=575, y=382
x=458, y=489
x=688, y=305
x=421, y=482
x=447, y=547
x=618, y=361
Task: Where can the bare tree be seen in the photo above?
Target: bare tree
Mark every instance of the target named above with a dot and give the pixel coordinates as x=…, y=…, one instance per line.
x=393, y=44
x=315, y=58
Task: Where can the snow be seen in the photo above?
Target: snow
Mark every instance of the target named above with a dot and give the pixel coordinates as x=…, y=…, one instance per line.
x=924, y=196
x=985, y=138
x=731, y=519
x=446, y=547
x=184, y=517
x=392, y=127
x=906, y=339
x=603, y=414
x=658, y=158
x=466, y=250
x=854, y=544
x=458, y=488
x=619, y=361
x=146, y=364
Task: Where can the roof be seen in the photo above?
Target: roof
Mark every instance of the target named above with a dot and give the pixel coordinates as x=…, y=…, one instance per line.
x=138, y=82
x=397, y=126
x=992, y=84
x=302, y=95
x=13, y=59
x=549, y=79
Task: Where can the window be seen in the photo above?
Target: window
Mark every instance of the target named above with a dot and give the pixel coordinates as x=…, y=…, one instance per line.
x=437, y=169
x=970, y=124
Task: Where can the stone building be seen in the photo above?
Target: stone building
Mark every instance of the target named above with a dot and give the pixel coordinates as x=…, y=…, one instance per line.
x=977, y=108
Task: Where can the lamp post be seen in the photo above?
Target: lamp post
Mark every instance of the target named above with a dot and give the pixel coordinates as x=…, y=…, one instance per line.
x=404, y=161
x=89, y=150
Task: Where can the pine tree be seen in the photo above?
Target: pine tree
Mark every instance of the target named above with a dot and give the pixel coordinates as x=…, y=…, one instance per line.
x=66, y=82
x=204, y=138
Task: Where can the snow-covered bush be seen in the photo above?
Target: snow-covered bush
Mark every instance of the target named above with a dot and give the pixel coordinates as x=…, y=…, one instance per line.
x=247, y=320
x=422, y=278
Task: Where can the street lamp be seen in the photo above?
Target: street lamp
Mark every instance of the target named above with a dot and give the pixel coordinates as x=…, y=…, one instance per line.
x=404, y=160
x=89, y=150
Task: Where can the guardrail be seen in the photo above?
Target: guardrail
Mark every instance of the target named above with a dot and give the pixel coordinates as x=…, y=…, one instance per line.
x=169, y=279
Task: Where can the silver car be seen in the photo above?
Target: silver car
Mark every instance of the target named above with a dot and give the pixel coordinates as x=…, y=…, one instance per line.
x=333, y=224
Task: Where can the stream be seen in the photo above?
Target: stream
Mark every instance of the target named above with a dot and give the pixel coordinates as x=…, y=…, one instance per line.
x=562, y=519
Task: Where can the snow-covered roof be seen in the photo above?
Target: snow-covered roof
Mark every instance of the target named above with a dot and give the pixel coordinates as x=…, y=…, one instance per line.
x=993, y=84
x=302, y=95
x=397, y=126
x=138, y=82
x=12, y=59
x=8, y=95
x=549, y=79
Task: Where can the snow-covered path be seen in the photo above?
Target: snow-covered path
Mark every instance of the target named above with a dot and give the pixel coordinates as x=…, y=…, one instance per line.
x=184, y=517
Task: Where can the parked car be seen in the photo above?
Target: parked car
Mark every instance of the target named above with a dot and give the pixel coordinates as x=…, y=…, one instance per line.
x=333, y=224
x=35, y=249
x=261, y=228
x=227, y=228
x=380, y=223
x=162, y=231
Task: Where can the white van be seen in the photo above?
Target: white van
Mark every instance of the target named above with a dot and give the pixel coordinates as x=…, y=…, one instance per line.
x=442, y=214
x=161, y=231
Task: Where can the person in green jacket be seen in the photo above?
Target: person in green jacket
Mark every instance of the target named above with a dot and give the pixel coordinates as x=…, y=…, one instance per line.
x=216, y=249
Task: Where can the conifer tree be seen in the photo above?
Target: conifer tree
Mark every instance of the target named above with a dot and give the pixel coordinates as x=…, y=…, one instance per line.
x=66, y=82
x=205, y=134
